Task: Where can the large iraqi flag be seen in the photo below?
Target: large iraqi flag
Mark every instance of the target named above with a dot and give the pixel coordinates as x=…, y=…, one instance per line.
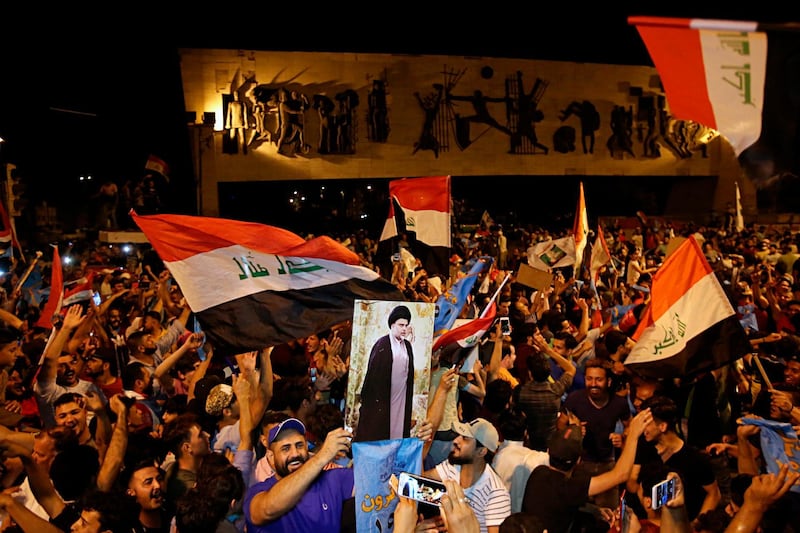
x=737, y=77
x=252, y=285
x=421, y=207
x=689, y=326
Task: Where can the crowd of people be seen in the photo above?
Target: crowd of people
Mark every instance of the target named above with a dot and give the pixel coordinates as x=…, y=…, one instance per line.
x=121, y=416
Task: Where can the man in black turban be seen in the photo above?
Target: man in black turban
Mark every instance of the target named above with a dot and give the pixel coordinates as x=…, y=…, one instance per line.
x=388, y=389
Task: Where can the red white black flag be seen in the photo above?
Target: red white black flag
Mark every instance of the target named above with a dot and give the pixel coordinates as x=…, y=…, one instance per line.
x=253, y=285
x=736, y=77
x=689, y=326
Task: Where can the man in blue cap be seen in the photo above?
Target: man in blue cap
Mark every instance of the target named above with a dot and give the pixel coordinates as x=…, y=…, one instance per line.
x=302, y=495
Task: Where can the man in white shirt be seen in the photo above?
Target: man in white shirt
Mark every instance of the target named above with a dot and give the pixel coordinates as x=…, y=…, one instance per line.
x=513, y=461
x=469, y=463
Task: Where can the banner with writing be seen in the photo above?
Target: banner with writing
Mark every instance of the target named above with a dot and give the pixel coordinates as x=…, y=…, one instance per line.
x=374, y=462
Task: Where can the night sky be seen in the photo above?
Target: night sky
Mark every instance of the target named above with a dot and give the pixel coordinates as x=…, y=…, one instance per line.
x=97, y=93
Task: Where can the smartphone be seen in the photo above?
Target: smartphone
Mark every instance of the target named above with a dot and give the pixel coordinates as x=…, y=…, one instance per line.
x=422, y=489
x=623, y=512
x=505, y=325
x=96, y=298
x=662, y=493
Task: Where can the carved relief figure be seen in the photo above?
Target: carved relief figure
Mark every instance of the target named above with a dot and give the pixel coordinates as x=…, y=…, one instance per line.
x=590, y=122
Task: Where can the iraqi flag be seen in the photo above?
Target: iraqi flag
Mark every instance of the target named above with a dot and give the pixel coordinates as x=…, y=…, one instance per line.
x=252, y=285
x=79, y=290
x=689, y=326
x=736, y=77
x=600, y=255
x=467, y=335
x=156, y=164
x=54, y=301
x=420, y=208
x=580, y=230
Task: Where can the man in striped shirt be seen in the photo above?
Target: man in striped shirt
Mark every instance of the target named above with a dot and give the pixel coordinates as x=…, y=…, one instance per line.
x=469, y=463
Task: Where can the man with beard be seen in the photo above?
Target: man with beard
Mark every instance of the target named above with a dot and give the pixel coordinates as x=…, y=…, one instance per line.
x=600, y=412
x=469, y=463
x=388, y=389
x=9, y=347
x=60, y=371
x=115, y=331
x=101, y=368
x=302, y=495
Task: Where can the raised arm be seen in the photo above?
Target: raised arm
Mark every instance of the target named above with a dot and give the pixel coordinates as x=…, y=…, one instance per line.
x=11, y=319
x=162, y=370
x=497, y=353
x=72, y=319
x=622, y=469
x=25, y=519
x=540, y=344
x=436, y=406
x=115, y=455
x=286, y=493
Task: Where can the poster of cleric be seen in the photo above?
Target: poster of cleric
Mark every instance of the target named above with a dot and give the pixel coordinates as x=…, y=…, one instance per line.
x=390, y=356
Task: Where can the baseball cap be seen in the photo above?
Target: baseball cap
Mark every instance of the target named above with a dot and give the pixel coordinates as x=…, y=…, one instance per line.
x=289, y=423
x=218, y=399
x=566, y=445
x=481, y=430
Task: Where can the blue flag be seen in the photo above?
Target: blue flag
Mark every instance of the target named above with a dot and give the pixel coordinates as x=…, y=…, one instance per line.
x=450, y=304
x=374, y=462
x=779, y=444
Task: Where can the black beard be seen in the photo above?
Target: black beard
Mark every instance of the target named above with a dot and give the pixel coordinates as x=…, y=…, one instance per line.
x=283, y=469
x=150, y=351
x=459, y=460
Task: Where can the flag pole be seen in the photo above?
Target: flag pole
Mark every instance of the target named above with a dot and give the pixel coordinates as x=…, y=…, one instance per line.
x=764, y=376
x=28, y=271
x=494, y=296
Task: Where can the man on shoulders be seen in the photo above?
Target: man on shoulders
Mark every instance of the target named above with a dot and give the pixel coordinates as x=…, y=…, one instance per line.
x=301, y=496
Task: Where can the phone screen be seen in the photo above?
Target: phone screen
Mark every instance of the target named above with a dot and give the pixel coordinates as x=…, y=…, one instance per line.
x=97, y=299
x=420, y=488
x=662, y=493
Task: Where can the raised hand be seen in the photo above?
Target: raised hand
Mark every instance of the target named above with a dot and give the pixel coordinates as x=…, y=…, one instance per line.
x=638, y=423
x=73, y=317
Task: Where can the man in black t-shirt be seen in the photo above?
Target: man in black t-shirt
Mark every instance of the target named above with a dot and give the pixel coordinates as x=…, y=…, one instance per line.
x=692, y=465
x=554, y=493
